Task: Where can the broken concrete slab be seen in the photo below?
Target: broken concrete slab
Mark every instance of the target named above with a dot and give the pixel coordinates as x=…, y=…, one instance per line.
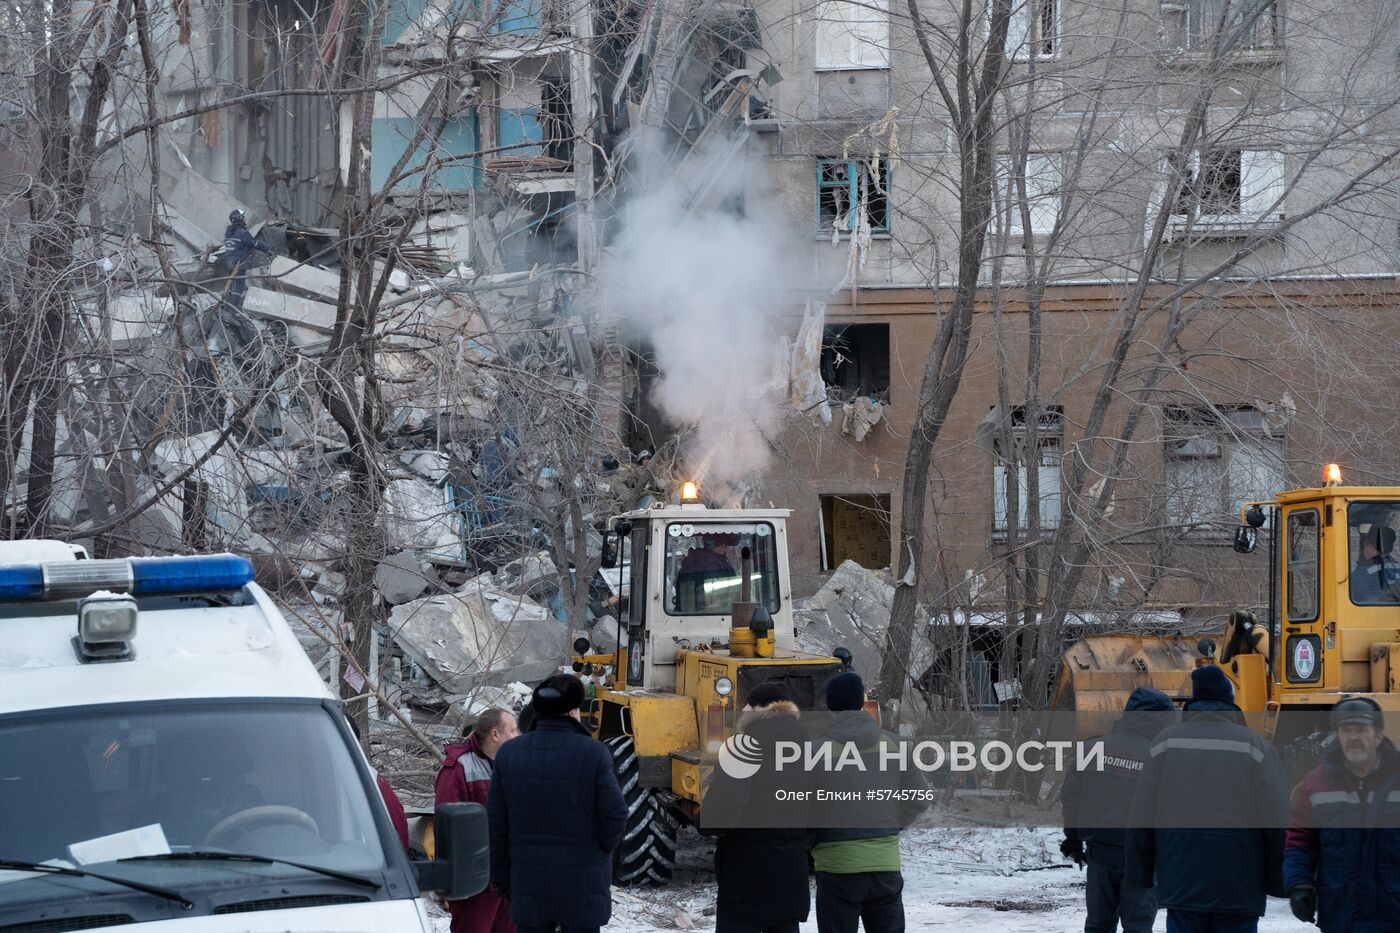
x=851, y=610
x=288, y=275
x=533, y=575
x=315, y=315
x=402, y=578
x=479, y=637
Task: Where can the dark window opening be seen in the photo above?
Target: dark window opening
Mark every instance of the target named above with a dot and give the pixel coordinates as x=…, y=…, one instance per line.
x=557, y=111
x=1212, y=182
x=853, y=193
x=855, y=527
x=856, y=361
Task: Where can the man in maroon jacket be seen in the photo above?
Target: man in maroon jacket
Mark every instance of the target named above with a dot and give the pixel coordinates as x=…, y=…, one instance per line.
x=466, y=776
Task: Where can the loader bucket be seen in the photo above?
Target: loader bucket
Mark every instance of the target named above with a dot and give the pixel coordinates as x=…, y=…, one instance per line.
x=1098, y=673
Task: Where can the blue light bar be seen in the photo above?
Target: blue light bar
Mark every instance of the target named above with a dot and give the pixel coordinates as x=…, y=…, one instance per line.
x=139, y=576
x=21, y=582
x=165, y=576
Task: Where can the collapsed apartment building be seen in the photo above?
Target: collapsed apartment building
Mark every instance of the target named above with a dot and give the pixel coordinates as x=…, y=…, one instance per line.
x=513, y=201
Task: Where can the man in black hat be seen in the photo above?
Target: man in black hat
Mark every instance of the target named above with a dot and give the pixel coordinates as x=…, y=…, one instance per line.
x=556, y=815
x=1344, y=829
x=1208, y=816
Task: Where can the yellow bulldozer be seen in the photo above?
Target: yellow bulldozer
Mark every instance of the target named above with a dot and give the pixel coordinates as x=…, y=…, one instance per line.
x=1332, y=627
x=707, y=616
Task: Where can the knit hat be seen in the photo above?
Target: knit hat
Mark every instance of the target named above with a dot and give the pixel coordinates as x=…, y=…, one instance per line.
x=768, y=693
x=1208, y=682
x=1358, y=709
x=845, y=691
x=558, y=695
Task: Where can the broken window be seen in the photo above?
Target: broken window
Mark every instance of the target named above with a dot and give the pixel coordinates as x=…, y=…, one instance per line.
x=558, y=119
x=1247, y=24
x=853, y=193
x=856, y=361
x=1034, y=29
x=1045, y=461
x=1228, y=183
x=454, y=166
x=1043, y=180
x=1216, y=460
x=856, y=527
x=853, y=34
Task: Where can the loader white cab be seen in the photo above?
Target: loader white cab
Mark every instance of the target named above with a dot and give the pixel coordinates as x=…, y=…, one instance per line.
x=168, y=755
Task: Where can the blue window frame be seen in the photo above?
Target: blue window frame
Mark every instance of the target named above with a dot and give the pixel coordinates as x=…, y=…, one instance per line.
x=846, y=187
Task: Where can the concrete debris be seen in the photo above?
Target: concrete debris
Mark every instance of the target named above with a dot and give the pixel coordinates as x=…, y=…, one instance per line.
x=478, y=636
x=851, y=610
x=401, y=578
x=301, y=278
x=533, y=575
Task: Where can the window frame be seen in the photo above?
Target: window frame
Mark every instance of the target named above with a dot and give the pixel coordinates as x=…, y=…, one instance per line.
x=1051, y=428
x=1195, y=36
x=1053, y=199
x=1214, y=426
x=855, y=60
x=1289, y=563
x=1032, y=12
x=855, y=170
x=1262, y=185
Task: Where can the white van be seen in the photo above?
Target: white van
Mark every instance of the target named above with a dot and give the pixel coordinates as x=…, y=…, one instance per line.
x=169, y=757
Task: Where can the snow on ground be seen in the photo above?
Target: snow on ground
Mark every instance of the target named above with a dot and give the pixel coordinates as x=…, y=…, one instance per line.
x=973, y=879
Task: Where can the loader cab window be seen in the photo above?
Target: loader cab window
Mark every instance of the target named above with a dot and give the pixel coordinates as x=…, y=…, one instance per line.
x=1302, y=569
x=704, y=567
x=1375, y=564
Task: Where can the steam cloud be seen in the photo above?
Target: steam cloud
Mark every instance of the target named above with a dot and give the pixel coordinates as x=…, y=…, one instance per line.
x=702, y=285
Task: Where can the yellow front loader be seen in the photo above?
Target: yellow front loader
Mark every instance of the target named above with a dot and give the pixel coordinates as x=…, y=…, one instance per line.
x=1332, y=628
x=707, y=617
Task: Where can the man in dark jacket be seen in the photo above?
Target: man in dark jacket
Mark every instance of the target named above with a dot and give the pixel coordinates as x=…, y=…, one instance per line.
x=1343, y=848
x=1108, y=798
x=1208, y=816
x=465, y=777
x=556, y=815
x=857, y=849
x=240, y=249
x=761, y=856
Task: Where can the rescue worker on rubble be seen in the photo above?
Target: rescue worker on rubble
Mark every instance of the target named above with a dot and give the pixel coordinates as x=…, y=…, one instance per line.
x=1097, y=805
x=761, y=855
x=1208, y=814
x=239, y=249
x=1339, y=865
x=556, y=815
x=465, y=776
x=859, y=877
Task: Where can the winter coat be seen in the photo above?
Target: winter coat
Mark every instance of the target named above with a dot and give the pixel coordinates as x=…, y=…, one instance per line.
x=465, y=777
x=761, y=855
x=1110, y=792
x=239, y=247
x=1211, y=797
x=1344, y=839
x=556, y=815
x=395, y=808
x=861, y=835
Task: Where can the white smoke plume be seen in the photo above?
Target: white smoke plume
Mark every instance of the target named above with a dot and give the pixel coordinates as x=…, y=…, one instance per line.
x=703, y=286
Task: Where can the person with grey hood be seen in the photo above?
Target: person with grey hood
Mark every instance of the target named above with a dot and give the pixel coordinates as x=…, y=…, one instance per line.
x=1097, y=805
x=1208, y=817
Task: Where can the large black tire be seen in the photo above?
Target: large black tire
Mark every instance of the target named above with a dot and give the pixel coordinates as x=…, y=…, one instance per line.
x=647, y=853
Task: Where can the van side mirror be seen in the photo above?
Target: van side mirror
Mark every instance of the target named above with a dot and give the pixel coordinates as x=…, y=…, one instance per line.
x=463, y=865
x=1245, y=539
x=612, y=544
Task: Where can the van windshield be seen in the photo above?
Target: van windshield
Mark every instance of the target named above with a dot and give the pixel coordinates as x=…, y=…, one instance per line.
x=92, y=785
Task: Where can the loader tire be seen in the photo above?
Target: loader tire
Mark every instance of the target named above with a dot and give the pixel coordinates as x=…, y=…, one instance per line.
x=647, y=852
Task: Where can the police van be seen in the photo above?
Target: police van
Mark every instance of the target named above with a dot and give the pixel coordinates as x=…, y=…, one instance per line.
x=169, y=757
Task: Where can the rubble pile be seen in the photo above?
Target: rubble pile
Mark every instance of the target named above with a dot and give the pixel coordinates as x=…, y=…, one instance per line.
x=851, y=610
